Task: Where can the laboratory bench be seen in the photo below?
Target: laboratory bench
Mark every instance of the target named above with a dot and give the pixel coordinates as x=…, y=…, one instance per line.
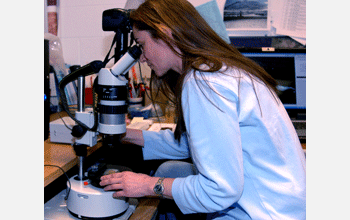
x=63, y=155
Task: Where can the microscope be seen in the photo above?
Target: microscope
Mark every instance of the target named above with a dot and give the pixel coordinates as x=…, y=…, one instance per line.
x=86, y=198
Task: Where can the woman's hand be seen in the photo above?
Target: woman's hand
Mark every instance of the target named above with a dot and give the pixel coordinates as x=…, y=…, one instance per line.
x=129, y=184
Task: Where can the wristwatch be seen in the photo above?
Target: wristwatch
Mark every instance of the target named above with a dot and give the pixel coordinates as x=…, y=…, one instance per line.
x=159, y=187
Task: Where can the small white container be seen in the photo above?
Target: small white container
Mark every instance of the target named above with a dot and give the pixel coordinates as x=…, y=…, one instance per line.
x=135, y=102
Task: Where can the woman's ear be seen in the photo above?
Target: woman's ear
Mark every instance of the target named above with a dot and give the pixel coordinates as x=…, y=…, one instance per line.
x=168, y=32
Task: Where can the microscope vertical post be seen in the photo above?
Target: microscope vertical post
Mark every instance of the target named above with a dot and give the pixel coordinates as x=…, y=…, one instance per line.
x=81, y=93
x=81, y=108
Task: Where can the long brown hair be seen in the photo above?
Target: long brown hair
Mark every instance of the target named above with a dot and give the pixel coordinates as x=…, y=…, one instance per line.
x=198, y=42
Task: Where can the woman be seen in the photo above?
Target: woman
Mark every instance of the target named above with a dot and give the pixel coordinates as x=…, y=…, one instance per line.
x=247, y=158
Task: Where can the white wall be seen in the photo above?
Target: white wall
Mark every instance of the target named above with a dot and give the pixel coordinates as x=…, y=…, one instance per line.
x=81, y=34
x=80, y=29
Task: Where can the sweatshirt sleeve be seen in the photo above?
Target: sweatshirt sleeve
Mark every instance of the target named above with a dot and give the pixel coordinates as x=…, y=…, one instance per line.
x=162, y=145
x=211, y=120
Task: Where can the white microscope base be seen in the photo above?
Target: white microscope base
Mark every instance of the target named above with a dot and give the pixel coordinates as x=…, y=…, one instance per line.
x=87, y=201
x=56, y=209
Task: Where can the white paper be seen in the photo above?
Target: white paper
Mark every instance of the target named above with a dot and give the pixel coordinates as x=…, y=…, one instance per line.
x=290, y=18
x=157, y=127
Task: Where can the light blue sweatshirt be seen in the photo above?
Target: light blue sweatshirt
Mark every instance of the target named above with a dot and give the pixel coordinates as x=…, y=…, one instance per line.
x=243, y=143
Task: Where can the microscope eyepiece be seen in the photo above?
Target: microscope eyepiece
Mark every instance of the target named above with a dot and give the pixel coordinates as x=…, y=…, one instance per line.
x=135, y=52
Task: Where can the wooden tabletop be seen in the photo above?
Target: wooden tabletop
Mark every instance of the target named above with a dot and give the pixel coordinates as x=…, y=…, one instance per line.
x=61, y=155
x=146, y=209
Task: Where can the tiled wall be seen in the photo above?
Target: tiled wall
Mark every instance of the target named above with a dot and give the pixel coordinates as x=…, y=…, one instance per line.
x=80, y=29
x=81, y=34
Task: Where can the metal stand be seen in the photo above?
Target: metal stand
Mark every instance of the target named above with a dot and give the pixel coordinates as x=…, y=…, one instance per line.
x=81, y=152
x=81, y=149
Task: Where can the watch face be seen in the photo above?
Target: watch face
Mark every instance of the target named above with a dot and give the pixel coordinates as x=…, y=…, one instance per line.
x=158, y=189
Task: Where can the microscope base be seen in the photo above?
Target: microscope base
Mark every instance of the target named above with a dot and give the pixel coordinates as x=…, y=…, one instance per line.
x=87, y=201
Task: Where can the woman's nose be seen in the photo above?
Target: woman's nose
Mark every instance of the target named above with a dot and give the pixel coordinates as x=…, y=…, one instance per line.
x=142, y=58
